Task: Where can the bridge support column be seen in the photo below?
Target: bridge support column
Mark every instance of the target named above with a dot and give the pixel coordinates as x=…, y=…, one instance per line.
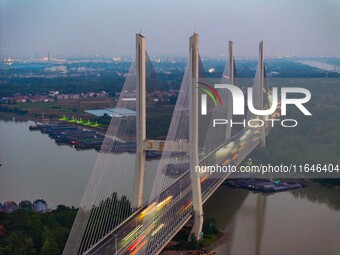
x=193, y=139
x=231, y=81
x=140, y=122
x=263, y=129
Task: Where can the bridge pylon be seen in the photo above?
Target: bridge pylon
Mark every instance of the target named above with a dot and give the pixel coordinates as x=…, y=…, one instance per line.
x=138, y=186
x=231, y=73
x=262, y=85
x=142, y=144
x=193, y=138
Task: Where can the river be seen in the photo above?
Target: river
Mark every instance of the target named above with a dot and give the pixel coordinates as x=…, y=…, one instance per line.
x=301, y=222
x=34, y=166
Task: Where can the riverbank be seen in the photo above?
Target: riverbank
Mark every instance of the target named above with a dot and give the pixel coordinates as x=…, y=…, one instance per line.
x=21, y=117
x=102, y=129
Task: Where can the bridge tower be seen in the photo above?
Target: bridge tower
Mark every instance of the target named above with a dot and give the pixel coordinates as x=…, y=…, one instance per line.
x=140, y=122
x=231, y=62
x=193, y=138
x=231, y=72
x=143, y=144
x=262, y=85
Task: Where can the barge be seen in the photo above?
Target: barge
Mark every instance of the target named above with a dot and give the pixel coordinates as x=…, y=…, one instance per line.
x=263, y=185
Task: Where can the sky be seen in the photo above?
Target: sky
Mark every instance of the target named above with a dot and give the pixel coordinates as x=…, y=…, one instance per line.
x=108, y=27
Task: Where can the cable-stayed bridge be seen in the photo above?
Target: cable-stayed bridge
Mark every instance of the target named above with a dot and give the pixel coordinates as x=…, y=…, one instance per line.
x=134, y=206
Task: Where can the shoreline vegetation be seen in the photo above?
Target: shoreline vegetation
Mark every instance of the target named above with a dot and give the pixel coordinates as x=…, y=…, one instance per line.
x=27, y=232
x=46, y=233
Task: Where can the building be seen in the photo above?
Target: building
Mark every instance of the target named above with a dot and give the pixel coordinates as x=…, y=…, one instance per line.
x=96, y=94
x=40, y=206
x=113, y=112
x=68, y=96
x=26, y=205
x=10, y=207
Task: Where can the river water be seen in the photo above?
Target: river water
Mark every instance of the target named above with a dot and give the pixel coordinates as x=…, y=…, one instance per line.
x=301, y=222
x=34, y=166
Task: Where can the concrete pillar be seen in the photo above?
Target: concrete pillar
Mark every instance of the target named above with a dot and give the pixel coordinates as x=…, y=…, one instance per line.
x=231, y=62
x=261, y=55
x=140, y=122
x=193, y=139
x=229, y=96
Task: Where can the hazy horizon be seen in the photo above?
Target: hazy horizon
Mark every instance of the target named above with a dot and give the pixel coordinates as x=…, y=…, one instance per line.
x=106, y=28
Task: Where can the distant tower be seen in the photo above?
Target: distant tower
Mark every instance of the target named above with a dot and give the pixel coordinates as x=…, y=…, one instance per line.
x=48, y=57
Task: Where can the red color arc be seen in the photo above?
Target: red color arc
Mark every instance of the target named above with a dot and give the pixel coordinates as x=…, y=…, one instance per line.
x=213, y=90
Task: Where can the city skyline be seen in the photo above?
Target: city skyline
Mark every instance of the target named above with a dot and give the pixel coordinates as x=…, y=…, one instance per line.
x=104, y=28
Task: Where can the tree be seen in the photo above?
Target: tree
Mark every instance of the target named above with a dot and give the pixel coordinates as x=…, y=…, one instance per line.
x=50, y=243
x=18, y=244
x=50, y=247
